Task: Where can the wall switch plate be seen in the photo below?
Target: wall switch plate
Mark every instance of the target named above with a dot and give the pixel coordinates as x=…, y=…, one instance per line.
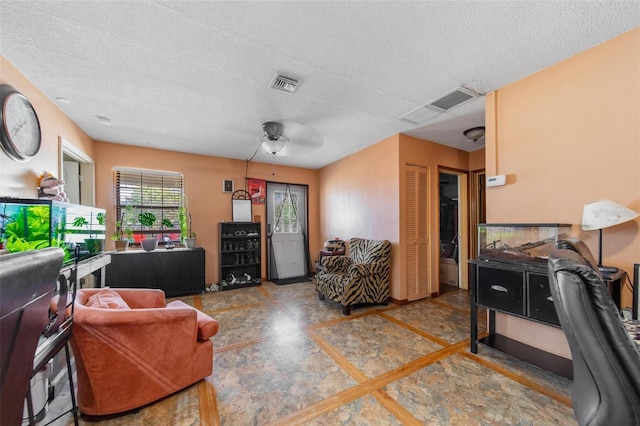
x=227, y=185
x=498, y=180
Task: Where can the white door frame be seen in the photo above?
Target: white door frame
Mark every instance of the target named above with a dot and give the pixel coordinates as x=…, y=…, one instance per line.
x=87, y=170
x=304, y=229
x=463, y=225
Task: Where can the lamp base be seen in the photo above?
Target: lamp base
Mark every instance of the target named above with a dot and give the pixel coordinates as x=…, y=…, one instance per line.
x=608, y=269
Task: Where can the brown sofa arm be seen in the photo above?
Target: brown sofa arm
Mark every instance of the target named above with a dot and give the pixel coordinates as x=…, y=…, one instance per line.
x=207, y=326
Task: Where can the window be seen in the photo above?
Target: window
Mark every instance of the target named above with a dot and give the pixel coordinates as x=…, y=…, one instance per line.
x=157, y=192
x=285, y=211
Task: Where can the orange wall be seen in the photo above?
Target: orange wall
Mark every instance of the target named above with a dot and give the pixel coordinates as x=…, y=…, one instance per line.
x=20, y=179
x=359, y=198
x=476, y=160
x=362, y=195
x=419, y=152
x=565, y=136
x=203, y=176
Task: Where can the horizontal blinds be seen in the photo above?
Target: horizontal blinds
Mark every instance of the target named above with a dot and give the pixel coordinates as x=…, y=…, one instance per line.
x=150, y=191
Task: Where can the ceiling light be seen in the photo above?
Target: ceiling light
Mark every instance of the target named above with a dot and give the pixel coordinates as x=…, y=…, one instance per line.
x=104, y=120
x=272, y=140
x=474, y=133
x=273, y=146
x=63, y=100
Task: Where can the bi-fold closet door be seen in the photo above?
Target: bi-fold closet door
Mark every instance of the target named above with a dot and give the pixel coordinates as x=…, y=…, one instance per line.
x=417, y=205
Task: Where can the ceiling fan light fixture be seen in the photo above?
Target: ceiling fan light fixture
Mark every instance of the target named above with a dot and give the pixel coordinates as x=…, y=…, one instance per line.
x=273, y=146
x=273, y=141
x=474, y=133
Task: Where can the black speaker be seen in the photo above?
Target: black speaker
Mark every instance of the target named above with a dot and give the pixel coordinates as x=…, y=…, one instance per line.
x=636, y=290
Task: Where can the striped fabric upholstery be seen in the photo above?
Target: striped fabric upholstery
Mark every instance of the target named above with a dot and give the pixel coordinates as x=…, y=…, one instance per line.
x=362, y=277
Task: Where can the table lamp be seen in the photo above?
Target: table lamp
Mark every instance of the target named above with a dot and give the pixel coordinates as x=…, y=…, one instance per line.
x=603, y=213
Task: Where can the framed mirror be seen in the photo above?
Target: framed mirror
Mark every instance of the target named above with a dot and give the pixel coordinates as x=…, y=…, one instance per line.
x=241, y=206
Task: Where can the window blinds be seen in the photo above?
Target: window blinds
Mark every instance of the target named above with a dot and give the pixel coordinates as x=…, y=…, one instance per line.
x=160, y=193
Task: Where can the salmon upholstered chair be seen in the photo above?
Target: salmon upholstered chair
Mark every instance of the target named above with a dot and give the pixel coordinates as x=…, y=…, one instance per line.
x=361, y=277
x=132, y=348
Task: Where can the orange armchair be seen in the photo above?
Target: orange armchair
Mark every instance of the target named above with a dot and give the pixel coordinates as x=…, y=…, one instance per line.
x=131, y=348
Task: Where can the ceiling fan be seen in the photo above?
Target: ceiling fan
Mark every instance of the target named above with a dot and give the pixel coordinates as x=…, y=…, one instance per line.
x=474, y=134
x=300, y=139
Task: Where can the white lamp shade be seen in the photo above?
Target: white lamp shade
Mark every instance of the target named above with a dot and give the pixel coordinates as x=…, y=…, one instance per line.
x=604, y=213
x=273, y=146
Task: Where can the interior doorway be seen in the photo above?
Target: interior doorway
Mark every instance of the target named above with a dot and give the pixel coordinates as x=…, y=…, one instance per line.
x=78, y=171
x=454, y=241
x=287, y=232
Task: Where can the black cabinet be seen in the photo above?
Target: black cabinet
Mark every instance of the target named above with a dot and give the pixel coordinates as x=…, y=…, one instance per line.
x=501, y=289
x=517, y=289
x=539, y=298
x=178, y=272
x=240, y=255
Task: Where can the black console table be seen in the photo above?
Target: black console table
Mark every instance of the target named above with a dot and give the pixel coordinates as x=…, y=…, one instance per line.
x=178, y=271
x=521, y=290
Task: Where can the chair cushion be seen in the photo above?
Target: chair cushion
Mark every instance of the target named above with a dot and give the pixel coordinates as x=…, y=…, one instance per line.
x=107, y=299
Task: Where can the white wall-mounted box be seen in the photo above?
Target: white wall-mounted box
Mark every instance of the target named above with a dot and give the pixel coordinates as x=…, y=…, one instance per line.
x=497, y=180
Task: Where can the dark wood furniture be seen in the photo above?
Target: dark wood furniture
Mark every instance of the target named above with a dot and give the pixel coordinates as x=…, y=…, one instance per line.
x=521, y=290
x=240, y=255
x=177, y=272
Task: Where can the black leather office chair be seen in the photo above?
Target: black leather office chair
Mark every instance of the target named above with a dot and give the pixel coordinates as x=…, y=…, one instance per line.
x=577, y=245
x=606, y=362
x=27, y=283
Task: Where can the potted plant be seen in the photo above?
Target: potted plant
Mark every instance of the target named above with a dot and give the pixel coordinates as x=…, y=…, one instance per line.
x=148, y=219
x=94, y=245
x=188, y=236
x=118, y=237
x=123, y=233
x=166, y=223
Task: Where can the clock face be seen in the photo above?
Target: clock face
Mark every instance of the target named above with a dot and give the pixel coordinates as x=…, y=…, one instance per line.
x=21, y=136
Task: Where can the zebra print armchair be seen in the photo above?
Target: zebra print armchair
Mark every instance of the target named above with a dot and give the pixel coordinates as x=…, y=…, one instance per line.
x=361, y=277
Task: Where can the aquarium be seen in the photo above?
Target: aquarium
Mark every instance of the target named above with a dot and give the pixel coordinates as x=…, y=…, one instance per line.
x=27, y=224
x=519, y=242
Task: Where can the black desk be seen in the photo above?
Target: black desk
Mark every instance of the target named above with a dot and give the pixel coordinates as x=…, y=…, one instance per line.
x=177, y=272
x=614, y=283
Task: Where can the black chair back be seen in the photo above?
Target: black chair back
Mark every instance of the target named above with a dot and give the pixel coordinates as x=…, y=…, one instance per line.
x=606, y=362
x=27, y=283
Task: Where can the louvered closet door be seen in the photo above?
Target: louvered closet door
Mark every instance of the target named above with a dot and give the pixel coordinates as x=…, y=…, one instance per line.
x=417, y=232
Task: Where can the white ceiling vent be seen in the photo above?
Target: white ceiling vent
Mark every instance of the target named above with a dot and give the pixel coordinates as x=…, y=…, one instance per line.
x=284, y=84
x=452, y=99
x=418, y=115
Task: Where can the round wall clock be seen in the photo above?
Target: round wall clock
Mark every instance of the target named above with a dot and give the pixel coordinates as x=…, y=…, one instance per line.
x=20, y=134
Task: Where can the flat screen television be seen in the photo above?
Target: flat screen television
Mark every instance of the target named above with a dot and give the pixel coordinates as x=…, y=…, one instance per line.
x=32, y=224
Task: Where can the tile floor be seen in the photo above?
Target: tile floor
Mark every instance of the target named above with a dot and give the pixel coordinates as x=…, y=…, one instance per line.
x=283, y=357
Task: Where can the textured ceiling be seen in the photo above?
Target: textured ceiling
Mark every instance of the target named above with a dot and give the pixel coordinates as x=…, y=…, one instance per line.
x=192, y=76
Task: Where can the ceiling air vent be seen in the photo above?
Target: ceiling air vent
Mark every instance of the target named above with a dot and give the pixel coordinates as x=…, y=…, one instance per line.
x=455, y=98
x=284, y=84
x=418, y=115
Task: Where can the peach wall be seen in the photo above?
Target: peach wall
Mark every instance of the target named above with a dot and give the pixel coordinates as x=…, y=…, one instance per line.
x=203, y=176
x=565, y=136
x=477, y=160
x=362, y=195
x=419, y=152
x=359, y=198
x=20, y=179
